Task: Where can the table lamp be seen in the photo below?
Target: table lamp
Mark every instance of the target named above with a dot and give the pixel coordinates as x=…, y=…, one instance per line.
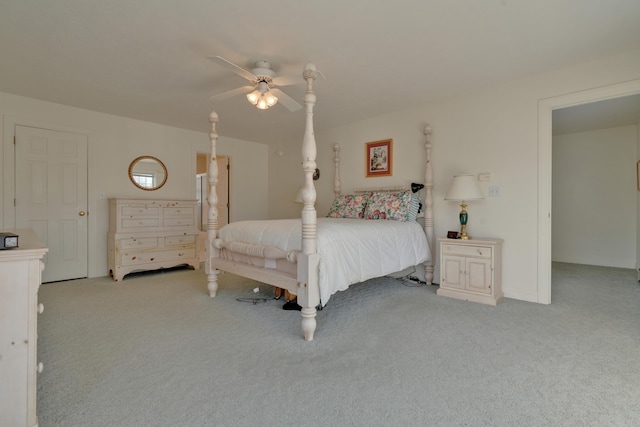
x=463, y=188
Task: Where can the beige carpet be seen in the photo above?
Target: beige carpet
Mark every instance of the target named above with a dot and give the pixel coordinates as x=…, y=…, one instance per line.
x=155, y=350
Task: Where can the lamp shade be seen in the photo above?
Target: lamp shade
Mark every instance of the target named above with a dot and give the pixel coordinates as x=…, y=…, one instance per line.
x=464, y=187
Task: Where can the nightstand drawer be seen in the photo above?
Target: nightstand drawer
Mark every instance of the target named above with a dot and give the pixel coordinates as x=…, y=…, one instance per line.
x=458, y=249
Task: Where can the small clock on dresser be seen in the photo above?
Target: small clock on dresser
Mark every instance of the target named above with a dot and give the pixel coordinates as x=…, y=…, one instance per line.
x=8, y=240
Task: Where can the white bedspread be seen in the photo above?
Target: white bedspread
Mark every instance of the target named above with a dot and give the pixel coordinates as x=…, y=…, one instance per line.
x=351, y=250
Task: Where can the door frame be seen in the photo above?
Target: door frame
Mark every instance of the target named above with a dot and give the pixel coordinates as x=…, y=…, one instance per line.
x=545, y=113
x=7, y=158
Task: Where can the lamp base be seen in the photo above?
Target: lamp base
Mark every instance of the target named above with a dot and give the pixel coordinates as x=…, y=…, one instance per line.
x=463, y=232
x=464, y=217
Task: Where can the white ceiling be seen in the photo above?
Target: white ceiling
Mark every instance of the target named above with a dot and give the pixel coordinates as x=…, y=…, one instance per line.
x=147, y=59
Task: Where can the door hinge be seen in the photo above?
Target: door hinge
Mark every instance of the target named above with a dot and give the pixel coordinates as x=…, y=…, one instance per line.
x=14, y=140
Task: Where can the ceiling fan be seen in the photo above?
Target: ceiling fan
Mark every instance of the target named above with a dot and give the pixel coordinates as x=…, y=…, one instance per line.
x=263, y=91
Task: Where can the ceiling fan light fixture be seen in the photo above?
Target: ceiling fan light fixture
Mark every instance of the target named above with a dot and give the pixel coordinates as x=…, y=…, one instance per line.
x=271, y=99
x=254, y=97
x=262, y=103
x=262, y=97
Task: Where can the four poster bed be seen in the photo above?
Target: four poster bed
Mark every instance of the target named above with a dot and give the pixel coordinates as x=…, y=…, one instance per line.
x=315, y=257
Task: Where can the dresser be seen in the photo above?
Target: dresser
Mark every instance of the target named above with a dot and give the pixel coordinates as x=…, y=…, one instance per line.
x=471, y=270
x=20, y=277
x=149, y=234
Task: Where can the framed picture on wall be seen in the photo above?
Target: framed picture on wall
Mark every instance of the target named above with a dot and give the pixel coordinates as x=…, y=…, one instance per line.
x=379, y=156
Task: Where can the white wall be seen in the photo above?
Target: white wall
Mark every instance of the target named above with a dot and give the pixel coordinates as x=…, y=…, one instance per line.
x=113, y=143
x=594, y=197
x=285, y=172
x=492, y=130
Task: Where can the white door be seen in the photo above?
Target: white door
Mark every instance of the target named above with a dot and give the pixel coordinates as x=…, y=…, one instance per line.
x=222, y=189
x=51, y=197
x=202, y=192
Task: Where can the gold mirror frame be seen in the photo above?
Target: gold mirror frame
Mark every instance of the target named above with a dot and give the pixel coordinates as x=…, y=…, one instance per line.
x=147, y=159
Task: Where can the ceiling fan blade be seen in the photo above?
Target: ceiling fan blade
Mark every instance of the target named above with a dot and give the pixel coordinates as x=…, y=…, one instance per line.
x=290, y=103
x=232, y=92
x=294, y=79
x=233, y=67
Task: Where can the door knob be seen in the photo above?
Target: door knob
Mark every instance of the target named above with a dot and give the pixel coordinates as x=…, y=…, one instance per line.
x=81, y=213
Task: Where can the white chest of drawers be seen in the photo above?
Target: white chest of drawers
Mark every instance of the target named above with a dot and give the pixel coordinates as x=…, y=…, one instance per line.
x=149, y=234
x=471, y=270
x=20, y=276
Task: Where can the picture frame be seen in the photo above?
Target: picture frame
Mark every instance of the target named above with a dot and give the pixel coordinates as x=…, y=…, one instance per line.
x=452, y=234
x=379, y=155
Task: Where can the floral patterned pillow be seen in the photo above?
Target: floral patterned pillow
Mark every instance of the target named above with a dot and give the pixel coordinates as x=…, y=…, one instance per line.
x=349, y=206
x=393, y=206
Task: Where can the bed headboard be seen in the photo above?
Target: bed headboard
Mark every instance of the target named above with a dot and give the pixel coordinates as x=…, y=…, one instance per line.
x=427, y=202
x=380, y=189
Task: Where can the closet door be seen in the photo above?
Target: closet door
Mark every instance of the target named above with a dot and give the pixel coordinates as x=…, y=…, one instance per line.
x=51, y=197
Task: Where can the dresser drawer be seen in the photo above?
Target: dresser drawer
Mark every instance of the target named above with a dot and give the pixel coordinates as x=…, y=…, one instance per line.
x=140, y=222
x=179, y=211
x=178, y=222
x=139, y=258
x=140, y=210
x=179, y=240
x=476, y=251
x=147, y=242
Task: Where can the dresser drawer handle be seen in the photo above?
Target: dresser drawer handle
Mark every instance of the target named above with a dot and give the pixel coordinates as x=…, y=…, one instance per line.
x=40, y=308
x=40, y=367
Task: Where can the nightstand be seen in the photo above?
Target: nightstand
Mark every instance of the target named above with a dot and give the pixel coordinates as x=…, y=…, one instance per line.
x=471, y=269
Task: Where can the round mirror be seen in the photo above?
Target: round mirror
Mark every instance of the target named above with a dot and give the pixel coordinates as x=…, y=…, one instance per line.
x=148, y=173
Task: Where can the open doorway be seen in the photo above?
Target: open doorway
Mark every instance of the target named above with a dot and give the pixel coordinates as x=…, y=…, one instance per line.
x=202, y=192
x=594, y=187
x=545, y=122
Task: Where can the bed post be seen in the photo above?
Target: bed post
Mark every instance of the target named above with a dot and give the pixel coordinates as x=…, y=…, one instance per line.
x=337, y=185
x=212, y=199
x=428, y=212
x=308, y=291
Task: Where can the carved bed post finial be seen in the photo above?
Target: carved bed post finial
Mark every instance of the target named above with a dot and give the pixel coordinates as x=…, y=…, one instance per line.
x=336, y=180
x=428, y=202
x=309, y=153
x=212, y=216
x=308, y=261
